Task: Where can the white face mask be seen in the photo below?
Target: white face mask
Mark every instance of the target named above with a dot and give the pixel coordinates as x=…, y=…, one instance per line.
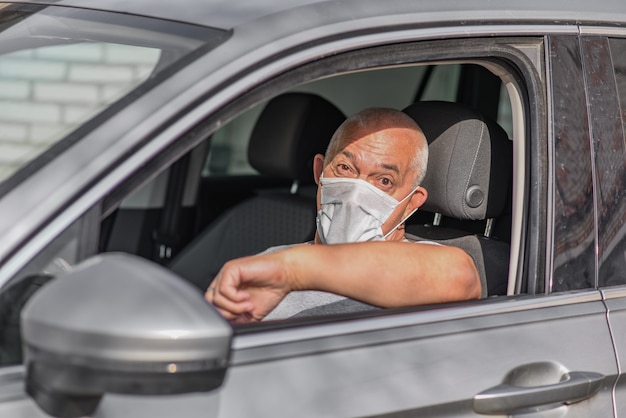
x=353, y=210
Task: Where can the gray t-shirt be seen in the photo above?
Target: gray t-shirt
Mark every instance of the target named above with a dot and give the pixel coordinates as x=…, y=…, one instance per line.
x=315, y=302
x=298, y=301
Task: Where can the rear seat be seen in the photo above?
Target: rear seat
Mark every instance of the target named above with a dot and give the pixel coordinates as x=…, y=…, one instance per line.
x=291, y=129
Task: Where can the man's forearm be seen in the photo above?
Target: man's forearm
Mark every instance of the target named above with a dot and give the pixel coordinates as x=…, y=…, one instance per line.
x=386, y=274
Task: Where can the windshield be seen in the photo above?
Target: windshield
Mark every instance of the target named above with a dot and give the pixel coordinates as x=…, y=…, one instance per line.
x=60, y=67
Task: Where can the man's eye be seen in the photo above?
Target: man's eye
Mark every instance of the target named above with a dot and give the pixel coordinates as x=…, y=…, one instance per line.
x=344, y=167
x=386, y=182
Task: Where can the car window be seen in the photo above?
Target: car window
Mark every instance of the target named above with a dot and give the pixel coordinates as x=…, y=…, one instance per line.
x=574, y=229
x=393, y=87
x=134, y=227
x=396, y=87
x=612, y=173
x=49, y=91
x=61, y=67
x=618, y=51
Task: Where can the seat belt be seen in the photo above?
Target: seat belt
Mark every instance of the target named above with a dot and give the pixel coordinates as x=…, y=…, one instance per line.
x=166, y=236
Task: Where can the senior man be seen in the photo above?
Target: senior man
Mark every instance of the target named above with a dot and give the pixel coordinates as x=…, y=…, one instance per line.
x=368, y=185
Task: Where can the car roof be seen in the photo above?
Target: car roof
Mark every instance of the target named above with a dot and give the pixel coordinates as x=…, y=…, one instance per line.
x=229, y=14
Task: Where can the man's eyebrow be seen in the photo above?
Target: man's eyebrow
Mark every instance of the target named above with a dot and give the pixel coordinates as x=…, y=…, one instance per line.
x=348, y=154
x=391, y=167
x=386, y=166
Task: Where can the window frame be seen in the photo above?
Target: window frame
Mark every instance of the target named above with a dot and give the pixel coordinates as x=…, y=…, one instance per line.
x=496, y=53
x=531, y=218
x=530, y=122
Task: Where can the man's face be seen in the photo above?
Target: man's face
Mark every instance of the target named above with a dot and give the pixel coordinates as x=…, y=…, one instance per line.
x=382, y=158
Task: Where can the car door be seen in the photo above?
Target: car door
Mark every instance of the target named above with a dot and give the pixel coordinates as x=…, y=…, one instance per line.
x=505, y=356
x=499, y=357
x=547, y=351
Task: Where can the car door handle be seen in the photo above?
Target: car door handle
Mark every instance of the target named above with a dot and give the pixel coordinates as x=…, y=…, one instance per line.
x=507, y=398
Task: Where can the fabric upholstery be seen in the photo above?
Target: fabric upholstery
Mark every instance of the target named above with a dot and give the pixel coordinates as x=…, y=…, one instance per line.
x=469, y=179
x=250, y=228
x=291, y=129
x=469, y=163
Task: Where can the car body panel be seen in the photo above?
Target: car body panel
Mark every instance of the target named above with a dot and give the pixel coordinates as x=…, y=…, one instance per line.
x=616, y=304
x=430, y=361
x=399, y=364
x=222, y=14
x=337, y=370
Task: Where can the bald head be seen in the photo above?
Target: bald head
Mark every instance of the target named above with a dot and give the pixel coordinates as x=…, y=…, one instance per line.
x=378, y=119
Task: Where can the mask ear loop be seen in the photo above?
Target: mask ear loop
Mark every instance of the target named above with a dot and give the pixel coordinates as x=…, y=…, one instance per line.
x=399, y=223
x=405, y=218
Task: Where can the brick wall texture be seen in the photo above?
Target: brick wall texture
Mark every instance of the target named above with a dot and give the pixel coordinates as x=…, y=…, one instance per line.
x=47, y=92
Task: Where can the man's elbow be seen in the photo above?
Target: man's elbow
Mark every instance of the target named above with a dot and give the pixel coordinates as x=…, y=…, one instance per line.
x=467, y=284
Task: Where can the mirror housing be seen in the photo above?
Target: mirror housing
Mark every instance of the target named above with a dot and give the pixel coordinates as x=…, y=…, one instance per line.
x=120, y=324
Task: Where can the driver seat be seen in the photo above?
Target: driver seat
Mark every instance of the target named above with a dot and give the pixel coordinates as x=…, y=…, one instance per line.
x=469, y=187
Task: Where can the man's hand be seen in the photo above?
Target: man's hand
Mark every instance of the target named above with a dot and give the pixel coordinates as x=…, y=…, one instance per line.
x=248, y=288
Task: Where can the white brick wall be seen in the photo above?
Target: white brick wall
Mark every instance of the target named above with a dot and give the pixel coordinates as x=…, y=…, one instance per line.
x=30, y=69
x=100, y=73
x=47, y=92
x=14, y=89
x=61, y=93
x=28, y=112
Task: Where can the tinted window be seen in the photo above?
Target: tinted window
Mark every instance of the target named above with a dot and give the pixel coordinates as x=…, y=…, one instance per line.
x=612, y=182
x=574, y=231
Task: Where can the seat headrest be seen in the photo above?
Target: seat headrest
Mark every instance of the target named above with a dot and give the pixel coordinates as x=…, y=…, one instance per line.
x=291, y=129
x=469, y=164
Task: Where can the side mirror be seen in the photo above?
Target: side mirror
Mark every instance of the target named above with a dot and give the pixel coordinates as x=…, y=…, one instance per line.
x=117, y=323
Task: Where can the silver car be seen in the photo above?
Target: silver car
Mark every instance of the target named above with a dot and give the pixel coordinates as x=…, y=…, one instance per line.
x=144, y=143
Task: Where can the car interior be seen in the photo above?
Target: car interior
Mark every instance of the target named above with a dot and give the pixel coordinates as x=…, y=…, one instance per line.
x=242, y=213
x=249, y=186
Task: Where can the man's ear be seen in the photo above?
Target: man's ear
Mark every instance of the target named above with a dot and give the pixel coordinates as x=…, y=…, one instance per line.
x=418, y=198
x=318, y=167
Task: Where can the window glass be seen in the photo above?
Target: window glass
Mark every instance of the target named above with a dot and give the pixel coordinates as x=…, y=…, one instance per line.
x=393, y=87
x=47, y=92
x=574, y=223
x=60, y=67
x=611, y=156
x=618, y=49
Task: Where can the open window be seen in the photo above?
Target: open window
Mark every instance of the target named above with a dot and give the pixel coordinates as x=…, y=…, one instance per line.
x=190, y=190
x=218, y=176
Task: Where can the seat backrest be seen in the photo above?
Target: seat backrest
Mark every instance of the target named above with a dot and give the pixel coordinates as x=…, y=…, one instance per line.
x=291, y=129
x=468, y=180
